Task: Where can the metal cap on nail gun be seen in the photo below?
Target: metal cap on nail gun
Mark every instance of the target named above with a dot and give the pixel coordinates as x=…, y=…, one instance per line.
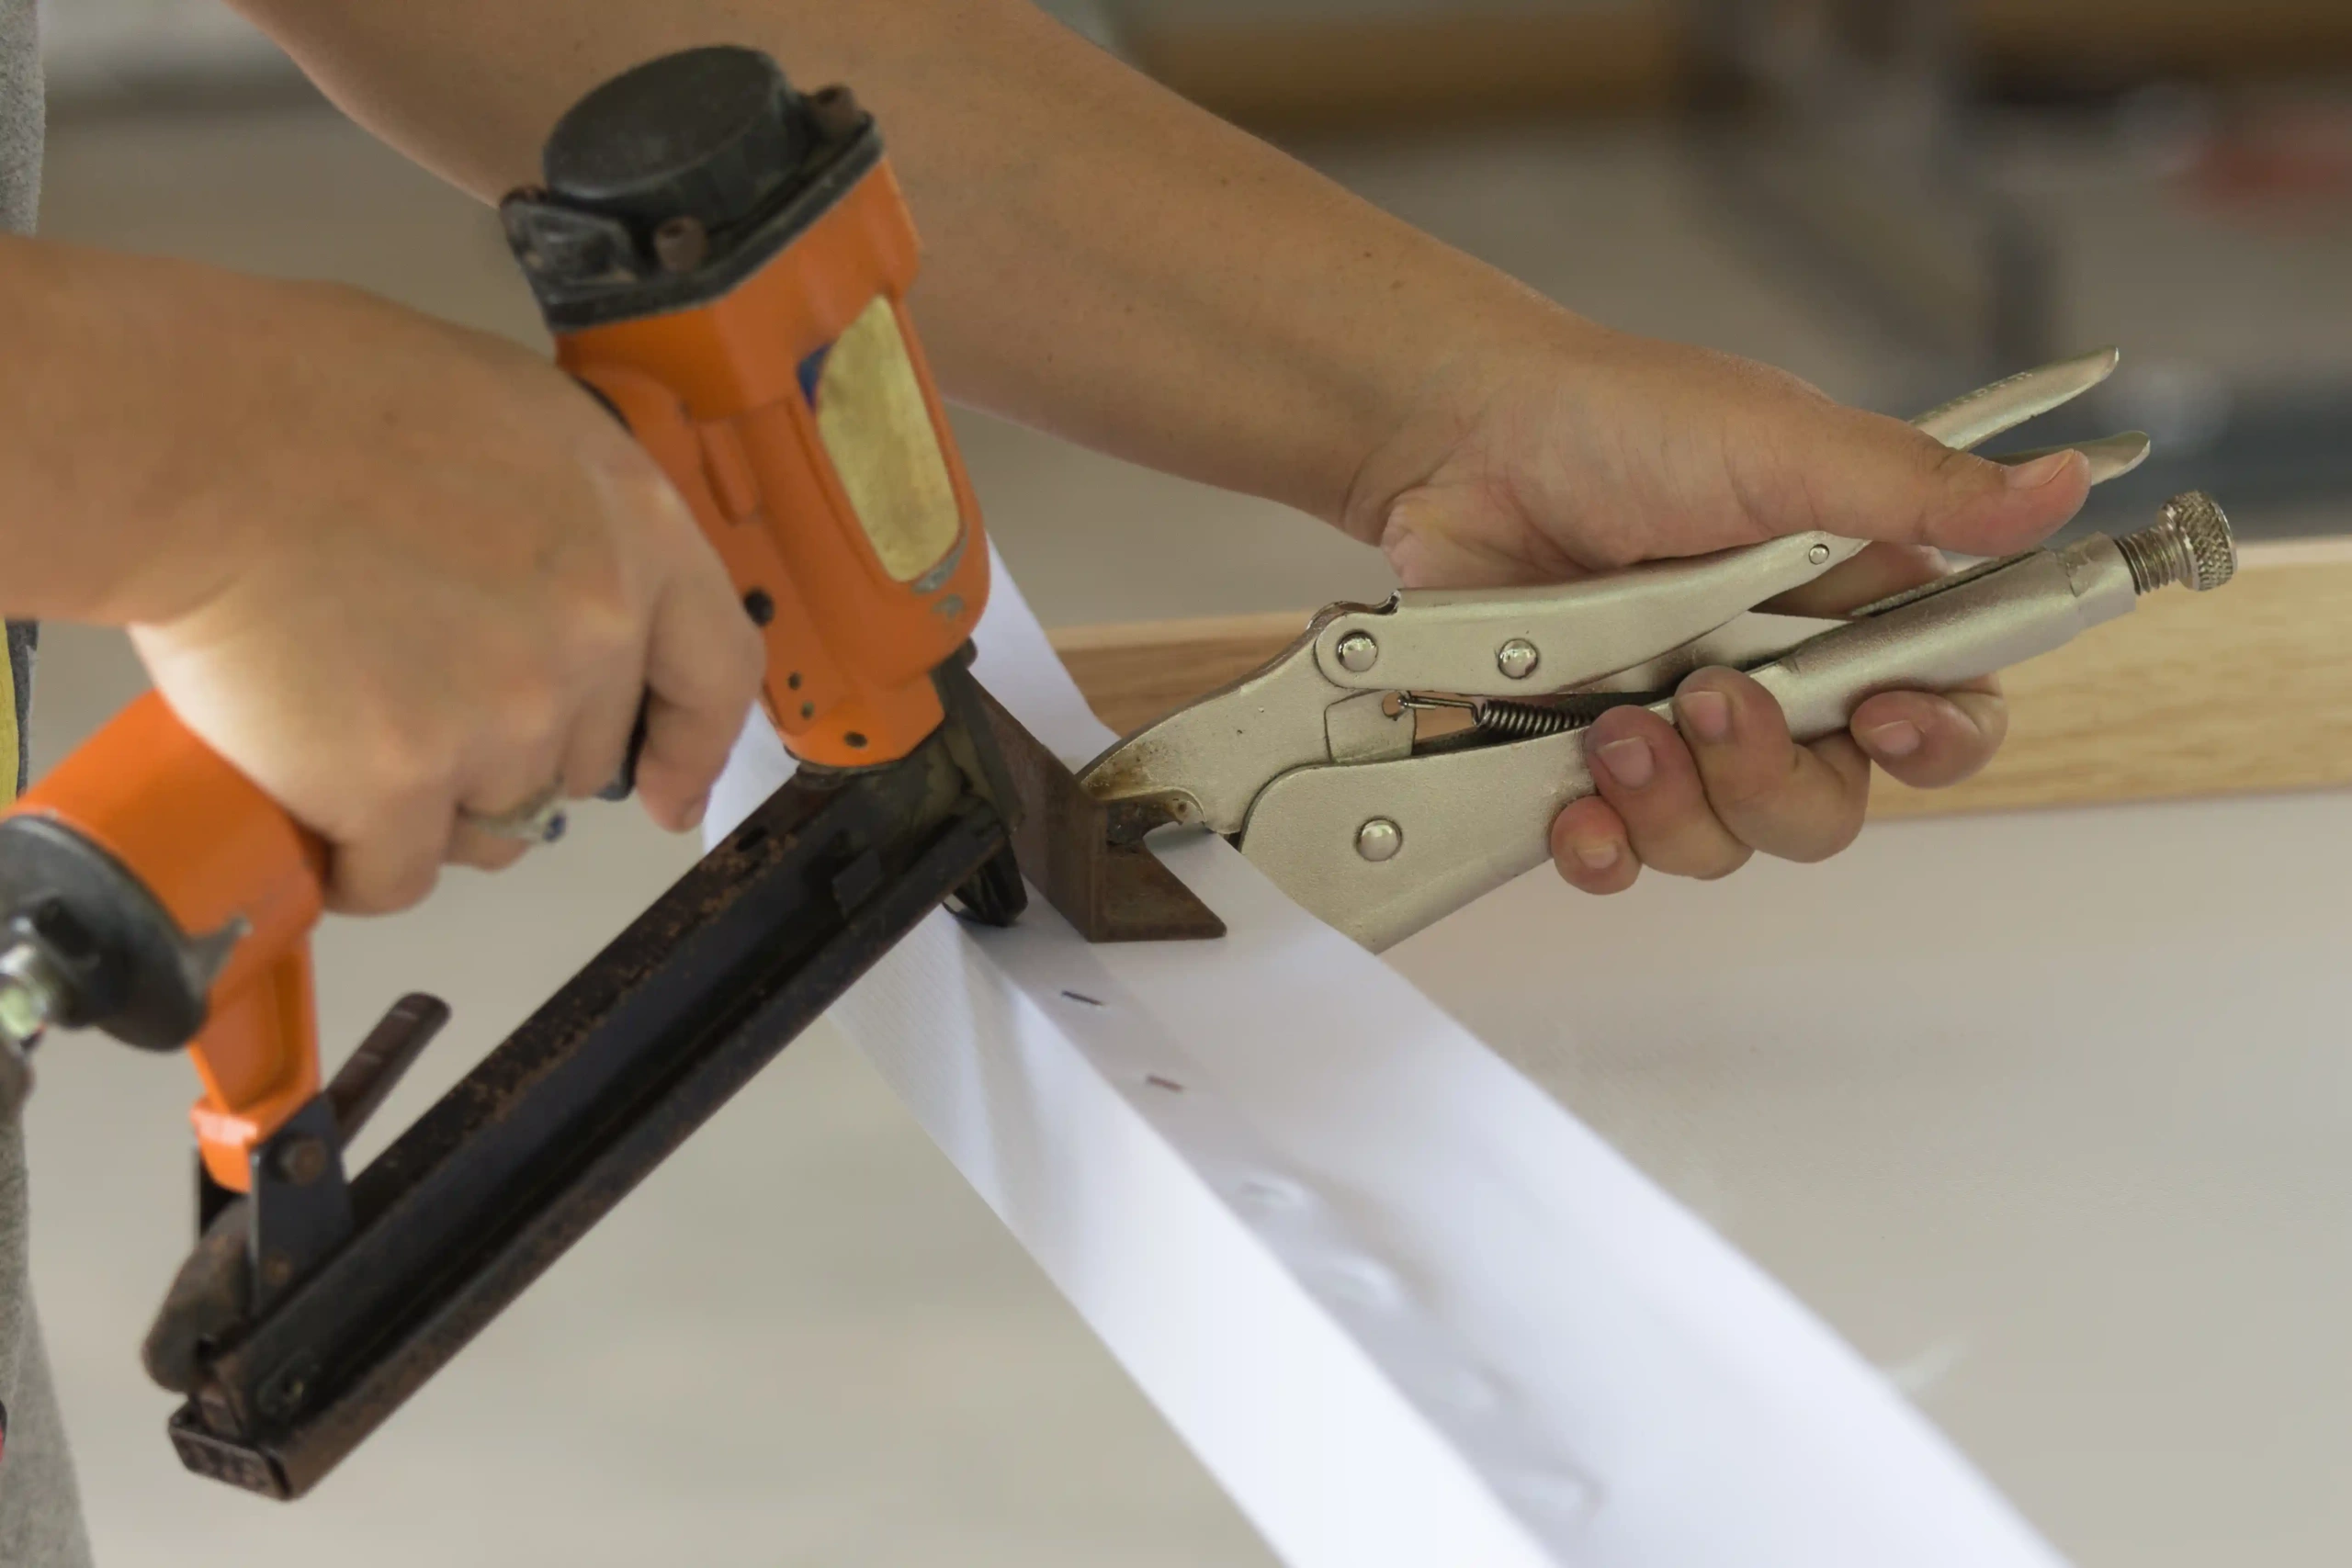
x=673, y=182
x=709, y=134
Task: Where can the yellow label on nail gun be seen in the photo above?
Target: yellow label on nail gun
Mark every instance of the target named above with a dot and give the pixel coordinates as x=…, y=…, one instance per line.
x=10, y=733
x=877, y=429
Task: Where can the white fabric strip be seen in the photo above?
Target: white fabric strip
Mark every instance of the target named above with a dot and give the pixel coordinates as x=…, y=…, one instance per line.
x=1405, y=1307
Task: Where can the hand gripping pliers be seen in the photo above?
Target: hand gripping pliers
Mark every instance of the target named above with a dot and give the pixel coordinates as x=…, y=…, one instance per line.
x=1326, y=767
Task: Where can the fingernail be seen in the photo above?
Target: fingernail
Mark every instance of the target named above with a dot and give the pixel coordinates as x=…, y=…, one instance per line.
x=693, y=818
x=1599, y=855
x=1629, y=761
x=1897, y=739
x=2040, y=472
x=1707, y=713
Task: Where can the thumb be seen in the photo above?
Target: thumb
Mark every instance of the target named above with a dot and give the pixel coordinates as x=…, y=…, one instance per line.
x=1900, y=485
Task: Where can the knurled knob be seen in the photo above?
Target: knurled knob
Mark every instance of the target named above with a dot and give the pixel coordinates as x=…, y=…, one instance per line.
x=2190, y=544
x=2212, y=552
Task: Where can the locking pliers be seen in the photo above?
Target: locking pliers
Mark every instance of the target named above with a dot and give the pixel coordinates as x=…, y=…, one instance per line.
x=1333, y=770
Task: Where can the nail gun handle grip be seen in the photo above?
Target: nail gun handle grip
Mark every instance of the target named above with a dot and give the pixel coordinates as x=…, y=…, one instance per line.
x=180, y=900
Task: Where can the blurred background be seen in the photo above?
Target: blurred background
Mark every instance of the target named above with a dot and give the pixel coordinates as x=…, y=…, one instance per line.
x=804, y=1341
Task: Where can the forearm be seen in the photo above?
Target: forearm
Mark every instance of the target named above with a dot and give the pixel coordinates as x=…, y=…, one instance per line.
x=1104, y=260
x=130, y=382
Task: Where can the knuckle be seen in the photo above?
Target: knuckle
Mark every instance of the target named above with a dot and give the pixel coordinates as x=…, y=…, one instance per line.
x=404, y=767
x=530, y=712
x=604, y=619
x=635, y=487
x=1750, y=787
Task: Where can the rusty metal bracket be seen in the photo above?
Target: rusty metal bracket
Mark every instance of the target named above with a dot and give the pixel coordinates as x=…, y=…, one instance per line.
x=1111, y=893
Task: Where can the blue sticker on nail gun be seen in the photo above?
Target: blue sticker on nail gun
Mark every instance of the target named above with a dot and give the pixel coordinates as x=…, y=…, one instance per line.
x=811, y=369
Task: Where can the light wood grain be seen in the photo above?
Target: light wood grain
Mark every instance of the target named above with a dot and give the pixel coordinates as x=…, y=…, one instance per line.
x=1134, y=672
x=2244, y=690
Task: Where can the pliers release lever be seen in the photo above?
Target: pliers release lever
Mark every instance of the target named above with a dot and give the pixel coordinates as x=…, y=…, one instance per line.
x=1321, y=768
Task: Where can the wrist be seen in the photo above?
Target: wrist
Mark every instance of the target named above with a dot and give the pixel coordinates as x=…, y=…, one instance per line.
x=1497, y=340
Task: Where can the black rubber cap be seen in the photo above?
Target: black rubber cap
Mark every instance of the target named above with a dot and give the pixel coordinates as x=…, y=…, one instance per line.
x=707, y=133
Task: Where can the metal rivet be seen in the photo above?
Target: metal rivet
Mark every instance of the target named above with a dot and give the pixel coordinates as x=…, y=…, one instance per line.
x=303, y=1160
x=680, y=244
x=283, y=1391
x=760, y=604
x=1379, y=839
x=1818, y=553
x=1517, y=659
x=1356, y=651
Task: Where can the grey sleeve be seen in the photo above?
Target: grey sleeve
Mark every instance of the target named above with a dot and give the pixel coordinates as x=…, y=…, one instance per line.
x=21, y=110
x=40, y=1509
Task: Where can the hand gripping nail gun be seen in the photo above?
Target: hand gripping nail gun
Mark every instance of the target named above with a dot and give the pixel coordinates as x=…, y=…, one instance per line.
x=724, y=262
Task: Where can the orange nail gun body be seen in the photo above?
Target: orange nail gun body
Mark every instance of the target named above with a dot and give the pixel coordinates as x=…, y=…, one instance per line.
x=769, y=365
x=153, y=889
x=725, y=262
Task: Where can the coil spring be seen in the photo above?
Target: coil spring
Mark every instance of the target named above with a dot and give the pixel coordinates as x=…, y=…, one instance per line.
x=1523, y=721
x=1511, y=720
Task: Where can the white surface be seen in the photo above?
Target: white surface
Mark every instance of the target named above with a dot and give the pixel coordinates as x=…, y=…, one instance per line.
x=1399, y=1303
x=2049, y=1113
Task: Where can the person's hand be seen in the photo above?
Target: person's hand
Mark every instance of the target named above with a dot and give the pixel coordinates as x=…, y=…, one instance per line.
x=437, y=576
x=1585, y=451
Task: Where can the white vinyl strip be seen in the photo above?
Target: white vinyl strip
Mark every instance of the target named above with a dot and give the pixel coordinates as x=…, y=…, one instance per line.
x=1405, y=1307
